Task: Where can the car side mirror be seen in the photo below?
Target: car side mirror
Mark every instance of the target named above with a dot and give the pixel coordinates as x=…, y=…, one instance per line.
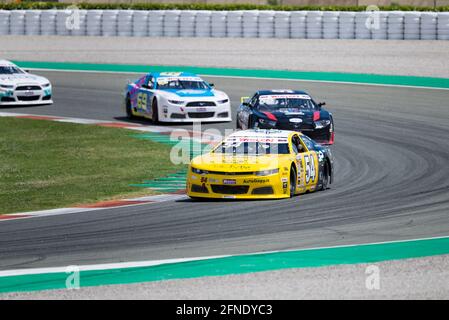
x=320, y=104
x=212, y=85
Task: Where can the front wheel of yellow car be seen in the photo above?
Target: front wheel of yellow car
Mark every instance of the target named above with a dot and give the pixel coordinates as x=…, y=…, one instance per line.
x=293, y=179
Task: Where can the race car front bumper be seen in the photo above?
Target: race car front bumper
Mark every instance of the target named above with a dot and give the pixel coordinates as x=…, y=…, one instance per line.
x=182, y=113
x=323, y=136
x=236, y=186
x=17, y=97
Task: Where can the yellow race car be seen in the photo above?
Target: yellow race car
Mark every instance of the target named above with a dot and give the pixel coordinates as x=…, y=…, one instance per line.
x=255, y=164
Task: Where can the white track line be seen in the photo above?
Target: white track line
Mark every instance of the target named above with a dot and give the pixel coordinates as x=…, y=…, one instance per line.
x=161, y=198
x=261, y=78
x=106, y=266
x=150, y=263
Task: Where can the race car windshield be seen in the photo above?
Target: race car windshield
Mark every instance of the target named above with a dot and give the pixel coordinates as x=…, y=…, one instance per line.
x=285, y=104
x=252, y=148
x=9, y=70
x=182, y=85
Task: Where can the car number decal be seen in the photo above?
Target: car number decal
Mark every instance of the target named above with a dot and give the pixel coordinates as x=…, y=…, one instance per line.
x=142, y=101
x=309, y=162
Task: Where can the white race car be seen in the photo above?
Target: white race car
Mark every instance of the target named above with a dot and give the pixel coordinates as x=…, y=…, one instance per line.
x=18, y=87
x=176, y=97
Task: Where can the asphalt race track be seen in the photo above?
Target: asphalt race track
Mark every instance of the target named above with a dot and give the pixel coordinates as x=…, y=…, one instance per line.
x=391, y=183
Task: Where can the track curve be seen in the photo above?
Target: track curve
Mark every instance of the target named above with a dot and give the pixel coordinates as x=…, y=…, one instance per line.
x=391, y=183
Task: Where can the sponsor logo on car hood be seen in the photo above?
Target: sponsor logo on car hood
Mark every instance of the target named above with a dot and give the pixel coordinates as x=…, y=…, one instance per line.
x=297, y=117
x=21, y=78
x=191, y=93
x=229, y=163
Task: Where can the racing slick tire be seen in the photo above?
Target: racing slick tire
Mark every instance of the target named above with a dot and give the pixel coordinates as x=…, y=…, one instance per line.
x=129, y=112
x=154, y=112
x=250, y=123
x=292, y=183
x=237, y=124
x=325, y=178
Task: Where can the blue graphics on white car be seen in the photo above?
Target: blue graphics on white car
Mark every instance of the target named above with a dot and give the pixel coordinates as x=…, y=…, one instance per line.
x=18, y=87
x=176, y=97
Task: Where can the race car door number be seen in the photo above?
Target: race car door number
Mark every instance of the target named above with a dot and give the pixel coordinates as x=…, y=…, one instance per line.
x=309, y=163
x=142, y=101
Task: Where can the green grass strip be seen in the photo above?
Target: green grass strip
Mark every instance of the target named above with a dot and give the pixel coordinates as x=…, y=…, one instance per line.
x=430, y=82
x=174, y=181
x=371, y=253
x=47, y=164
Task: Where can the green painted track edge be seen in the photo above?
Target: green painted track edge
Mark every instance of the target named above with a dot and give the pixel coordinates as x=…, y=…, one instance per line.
x=240, y=264
x=357, y=78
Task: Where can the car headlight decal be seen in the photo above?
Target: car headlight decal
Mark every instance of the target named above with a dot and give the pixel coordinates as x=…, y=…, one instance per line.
x=322, y=123
x=223, y=101
x=266, y=172
x=199, y=171
x=176, y=101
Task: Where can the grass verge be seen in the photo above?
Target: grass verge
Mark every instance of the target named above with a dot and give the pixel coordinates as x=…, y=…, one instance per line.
x=46, y=164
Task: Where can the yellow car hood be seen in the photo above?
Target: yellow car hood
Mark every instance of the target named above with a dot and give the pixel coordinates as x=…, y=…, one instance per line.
x=230, y=163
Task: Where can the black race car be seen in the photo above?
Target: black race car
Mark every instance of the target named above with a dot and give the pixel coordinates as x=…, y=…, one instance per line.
x=287, y=110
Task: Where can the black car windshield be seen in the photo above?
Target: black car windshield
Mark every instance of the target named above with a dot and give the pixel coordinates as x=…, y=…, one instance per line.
x=9, y=70
x=178, y=84
x=252, y=148
x=294, y=103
